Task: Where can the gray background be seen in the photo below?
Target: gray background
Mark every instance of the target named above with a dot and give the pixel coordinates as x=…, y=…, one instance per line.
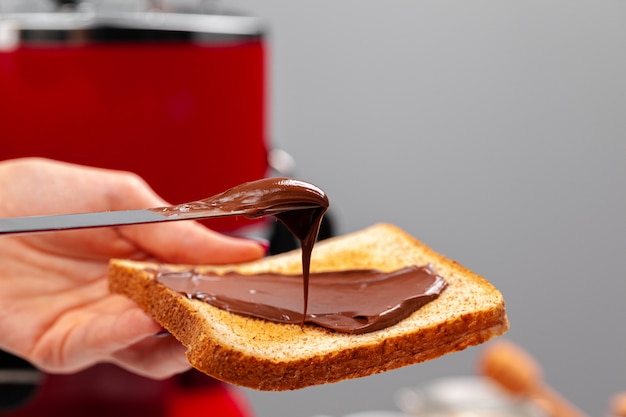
x=491, y=130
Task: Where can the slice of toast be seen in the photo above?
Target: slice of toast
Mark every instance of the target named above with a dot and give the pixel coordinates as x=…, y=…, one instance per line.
x=264, y=355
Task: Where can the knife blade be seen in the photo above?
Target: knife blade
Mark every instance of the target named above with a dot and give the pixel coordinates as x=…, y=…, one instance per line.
x=31, y=224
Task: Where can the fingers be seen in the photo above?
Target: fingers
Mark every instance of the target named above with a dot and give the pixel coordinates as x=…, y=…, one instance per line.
x=153, y=357
x=73, y=188
x=190, y=242
x=90, y=334
x=128, y=340
x=112, y=330
x=176, y=242
x=35, y=186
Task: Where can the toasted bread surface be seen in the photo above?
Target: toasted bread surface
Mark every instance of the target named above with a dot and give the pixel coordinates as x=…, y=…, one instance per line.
x=264, y=355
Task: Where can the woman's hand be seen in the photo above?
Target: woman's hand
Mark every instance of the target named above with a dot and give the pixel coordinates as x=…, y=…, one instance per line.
x=56, y=310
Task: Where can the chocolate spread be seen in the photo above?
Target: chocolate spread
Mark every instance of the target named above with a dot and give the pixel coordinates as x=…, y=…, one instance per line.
x=299, y=205
x=353, y=301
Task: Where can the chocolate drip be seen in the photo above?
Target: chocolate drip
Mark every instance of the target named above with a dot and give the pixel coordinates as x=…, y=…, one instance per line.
x=299, y=205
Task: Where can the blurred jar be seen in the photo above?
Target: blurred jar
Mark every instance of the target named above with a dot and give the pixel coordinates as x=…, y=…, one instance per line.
x=463, y=396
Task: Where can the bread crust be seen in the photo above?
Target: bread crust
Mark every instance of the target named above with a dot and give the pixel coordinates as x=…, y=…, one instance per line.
x=263, y=355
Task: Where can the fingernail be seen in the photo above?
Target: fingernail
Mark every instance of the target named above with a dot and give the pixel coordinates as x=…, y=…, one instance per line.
x=264, y=243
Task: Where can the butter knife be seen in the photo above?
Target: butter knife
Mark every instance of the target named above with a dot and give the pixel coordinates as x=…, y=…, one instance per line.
x=265, y=197
x=49, y=223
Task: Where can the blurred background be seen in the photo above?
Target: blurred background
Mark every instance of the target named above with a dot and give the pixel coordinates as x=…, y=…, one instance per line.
x=493, y=131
